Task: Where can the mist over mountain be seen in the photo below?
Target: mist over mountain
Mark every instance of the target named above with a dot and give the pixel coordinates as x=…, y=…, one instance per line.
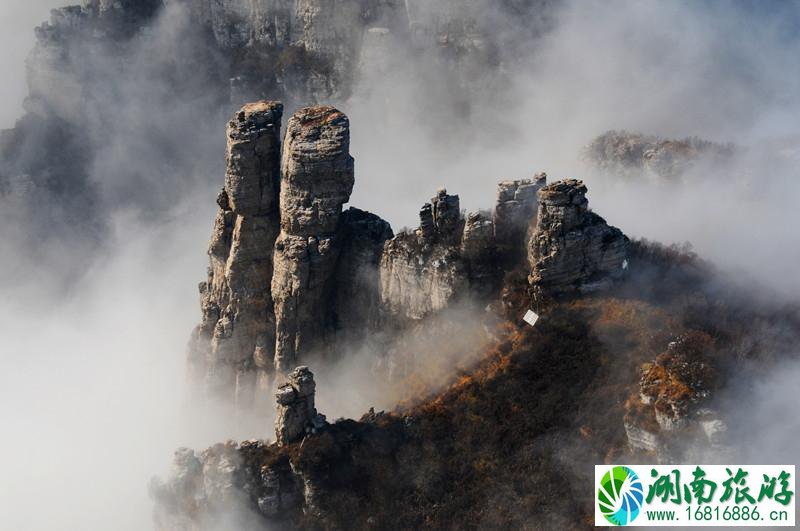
x=124, y=120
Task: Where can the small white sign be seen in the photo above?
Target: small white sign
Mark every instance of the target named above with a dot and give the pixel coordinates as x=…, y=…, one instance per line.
x=531, y=317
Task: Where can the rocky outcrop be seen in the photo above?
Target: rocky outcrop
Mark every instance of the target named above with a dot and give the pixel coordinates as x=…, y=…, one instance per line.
x=296, y=414
x=572, y=249
x=292, y=277
x=233, y=347
x=356, y=307
x=250, y=484
x=450, y=255
x=480, y=254
x=670, y=415
x=288, y=269
x=514, y=214
x=418, y=278
x=422, y=271
x=229, y=485
x=678, y=380
x=317, y=179
x=637, y=155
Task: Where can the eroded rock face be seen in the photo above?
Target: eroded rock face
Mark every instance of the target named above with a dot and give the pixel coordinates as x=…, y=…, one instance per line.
x=479, y=251
x=572, y=249
x=418, y=278
x=514, y=212
x=317, y=179
x=422, y=271
x=233, y=347
x=296, y=413
x=357, y=304
x=227, y=485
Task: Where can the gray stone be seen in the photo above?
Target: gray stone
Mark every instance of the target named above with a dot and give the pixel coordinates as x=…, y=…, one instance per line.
x=572, y=248
x=316, y=180
x=232, y=348
x=296, y=414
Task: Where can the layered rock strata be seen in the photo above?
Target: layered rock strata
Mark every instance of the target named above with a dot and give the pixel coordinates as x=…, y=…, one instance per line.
x=422, y=271
x=572, y=249
x=292, y=277
x=276, y=249
x=234, y=344
x=317, y=179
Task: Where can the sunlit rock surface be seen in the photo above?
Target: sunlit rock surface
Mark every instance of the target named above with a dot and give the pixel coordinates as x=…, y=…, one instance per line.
x=573, y=249
x=234, y=344
x=296, y=414
x=317, y=179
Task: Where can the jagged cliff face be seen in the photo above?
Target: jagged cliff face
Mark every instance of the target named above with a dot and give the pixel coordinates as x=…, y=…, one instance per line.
x=573, y=249
x=294, y=279
x=317, y=179
x=232, y=347
x=504, y=426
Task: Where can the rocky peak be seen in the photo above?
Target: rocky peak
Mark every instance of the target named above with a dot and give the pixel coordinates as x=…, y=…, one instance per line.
x=441, y=218
x=572, y=249
x=288, y=271
x=292, y=277
x=514, y=213
x=296, y=413
x=317, y=171
x=252, y=179
x=317, y=178
x=636, y=155
x=232, y=349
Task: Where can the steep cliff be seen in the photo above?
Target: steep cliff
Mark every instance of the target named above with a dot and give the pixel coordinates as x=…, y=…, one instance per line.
x=294, y=279
x=572, y=249
x=233, y=347
x=317, y=179
x=478, y=452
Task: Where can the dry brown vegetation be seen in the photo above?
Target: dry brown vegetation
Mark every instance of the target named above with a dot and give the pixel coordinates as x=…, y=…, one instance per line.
x=511, y=443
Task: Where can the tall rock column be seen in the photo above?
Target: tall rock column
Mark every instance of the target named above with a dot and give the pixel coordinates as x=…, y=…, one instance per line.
x=234, y=344
x=316, y=180
x=572, y=249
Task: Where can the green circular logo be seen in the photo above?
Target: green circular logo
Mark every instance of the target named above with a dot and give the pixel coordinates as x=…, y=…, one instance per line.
x=620, y=495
